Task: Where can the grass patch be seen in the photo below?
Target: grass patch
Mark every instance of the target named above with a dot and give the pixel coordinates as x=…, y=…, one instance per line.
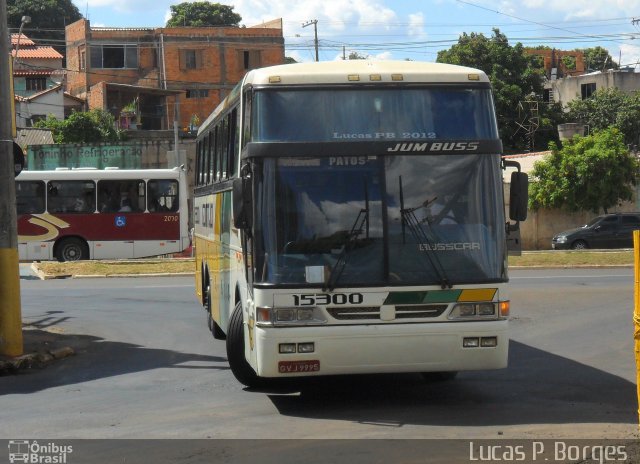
x=187, y=265
x=573, y=258
x=111, y=268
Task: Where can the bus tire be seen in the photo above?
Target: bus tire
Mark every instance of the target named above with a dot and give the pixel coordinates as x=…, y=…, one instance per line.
x=215, y=329
x=240, y=368
x=72, y=249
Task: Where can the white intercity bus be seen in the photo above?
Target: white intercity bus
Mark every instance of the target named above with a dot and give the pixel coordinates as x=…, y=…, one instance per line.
x=349, y=219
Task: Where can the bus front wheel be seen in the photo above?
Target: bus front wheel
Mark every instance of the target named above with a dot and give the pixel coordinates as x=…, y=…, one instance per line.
x=72, y=249
x=240, y=368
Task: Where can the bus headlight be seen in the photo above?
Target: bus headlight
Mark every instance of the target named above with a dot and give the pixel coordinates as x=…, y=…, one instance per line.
x=486, y=309
x=266, y=316
x=476, y=311
x=285, y=315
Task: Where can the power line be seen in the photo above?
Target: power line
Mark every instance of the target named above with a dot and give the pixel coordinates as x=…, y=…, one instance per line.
x=519, y=18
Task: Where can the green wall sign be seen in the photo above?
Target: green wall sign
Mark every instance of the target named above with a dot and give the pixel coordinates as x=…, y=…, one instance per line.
x=47, y=157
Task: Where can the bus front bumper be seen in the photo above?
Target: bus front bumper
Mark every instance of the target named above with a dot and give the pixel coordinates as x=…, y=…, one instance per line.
x=383, y=348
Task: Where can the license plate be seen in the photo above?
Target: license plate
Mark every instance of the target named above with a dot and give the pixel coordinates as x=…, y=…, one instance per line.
x=290, y=367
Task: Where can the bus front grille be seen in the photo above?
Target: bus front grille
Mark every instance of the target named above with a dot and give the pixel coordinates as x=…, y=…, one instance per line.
x=401, y=312
x=419, y=311
x=346, y=314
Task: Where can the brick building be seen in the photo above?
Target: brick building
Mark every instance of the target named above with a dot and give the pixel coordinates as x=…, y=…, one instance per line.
x=35, y=67
x=145, y=76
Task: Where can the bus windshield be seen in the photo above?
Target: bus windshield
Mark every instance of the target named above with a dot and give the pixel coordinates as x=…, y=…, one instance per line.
x=346, y=114
x=405, y=220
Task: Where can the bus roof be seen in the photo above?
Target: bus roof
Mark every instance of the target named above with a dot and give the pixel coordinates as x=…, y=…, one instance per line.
x=364, y=72
x=98, y=174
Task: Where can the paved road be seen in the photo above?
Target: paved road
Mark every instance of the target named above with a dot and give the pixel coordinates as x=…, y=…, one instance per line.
x=147, y=368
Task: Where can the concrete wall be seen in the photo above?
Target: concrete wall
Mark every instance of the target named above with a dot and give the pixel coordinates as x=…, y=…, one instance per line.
x=50, y=103
x=540, y=227
x=569, y=88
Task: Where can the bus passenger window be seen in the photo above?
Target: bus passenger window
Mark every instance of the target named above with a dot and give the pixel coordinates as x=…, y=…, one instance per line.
x=72, y=196
x=162, y=195
x=121, y=196
x=30, y=197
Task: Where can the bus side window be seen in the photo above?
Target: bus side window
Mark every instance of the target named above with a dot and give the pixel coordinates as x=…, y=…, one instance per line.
x=121, y=196
x=30, y=197
x=162, y=195
x=71, y=196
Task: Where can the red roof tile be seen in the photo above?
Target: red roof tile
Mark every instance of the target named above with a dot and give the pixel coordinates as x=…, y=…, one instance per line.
x=24, y=40
x=39, y=52
x=45, y=72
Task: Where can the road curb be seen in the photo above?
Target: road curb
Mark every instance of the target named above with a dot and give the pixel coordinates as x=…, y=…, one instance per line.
x=34, y=360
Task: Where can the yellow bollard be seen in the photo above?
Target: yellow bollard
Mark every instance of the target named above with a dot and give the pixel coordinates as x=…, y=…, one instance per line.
x=636, y=310
x=11, y=343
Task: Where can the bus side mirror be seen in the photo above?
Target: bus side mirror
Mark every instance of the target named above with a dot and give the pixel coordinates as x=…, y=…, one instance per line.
x=242, y=213
x=518, y=196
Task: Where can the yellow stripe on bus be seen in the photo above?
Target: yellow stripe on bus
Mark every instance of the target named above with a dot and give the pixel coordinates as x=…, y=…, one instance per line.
x=477, y=294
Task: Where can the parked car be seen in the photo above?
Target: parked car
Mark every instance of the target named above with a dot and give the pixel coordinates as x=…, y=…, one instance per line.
x=606, y=231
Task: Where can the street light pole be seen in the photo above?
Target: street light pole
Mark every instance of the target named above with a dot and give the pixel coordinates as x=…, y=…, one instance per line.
x=315, y=30
x=25, y=20
x=11, y=343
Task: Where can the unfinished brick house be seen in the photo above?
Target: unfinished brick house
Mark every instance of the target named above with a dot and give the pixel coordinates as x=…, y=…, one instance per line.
x=146, y=76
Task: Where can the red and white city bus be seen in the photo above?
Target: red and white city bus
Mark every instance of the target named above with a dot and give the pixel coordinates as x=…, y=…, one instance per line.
x=88, y=213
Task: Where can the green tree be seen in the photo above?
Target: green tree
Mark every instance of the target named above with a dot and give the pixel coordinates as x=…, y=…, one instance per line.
x=357, y=56
x=598, y=59
x=48, y=19
x=83, y=127
x=199, y=14
x=609, y=108
x=588, y=173
x=512, y=72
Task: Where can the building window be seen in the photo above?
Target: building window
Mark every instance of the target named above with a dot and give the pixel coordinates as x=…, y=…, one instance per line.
x=31, y=122
x=114, y=56
x=250, y=59
x=36, y=83
x=588, y=90
x=190, y=59
x=82, y=60
x=197, y=93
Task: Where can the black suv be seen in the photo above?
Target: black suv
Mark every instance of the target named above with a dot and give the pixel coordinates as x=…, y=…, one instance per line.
x=607, y=231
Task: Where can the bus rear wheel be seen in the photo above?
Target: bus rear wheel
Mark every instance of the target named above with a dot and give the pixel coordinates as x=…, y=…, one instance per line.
x=72, y=249
x=240, y=368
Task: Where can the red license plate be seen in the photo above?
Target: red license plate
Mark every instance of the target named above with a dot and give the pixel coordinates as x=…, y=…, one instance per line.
x=290, y=367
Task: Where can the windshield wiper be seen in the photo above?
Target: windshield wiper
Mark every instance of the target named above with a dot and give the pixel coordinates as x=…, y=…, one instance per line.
x=356, y=229
x=422, y=237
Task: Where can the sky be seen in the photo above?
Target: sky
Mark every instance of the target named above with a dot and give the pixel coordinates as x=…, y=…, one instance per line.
x=410, y=29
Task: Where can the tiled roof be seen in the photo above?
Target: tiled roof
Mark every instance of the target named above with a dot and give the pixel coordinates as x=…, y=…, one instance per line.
x=38, y=52
x=35, y=96
x=39, y=73
x=31, y=136
x=24, y=40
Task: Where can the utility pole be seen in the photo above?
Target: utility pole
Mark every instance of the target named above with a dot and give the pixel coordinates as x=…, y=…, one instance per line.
x=315, y=30
x=10, y=315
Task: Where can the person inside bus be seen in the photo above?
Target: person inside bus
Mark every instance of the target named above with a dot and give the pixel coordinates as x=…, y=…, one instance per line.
x=108, y=202
x=125, y=206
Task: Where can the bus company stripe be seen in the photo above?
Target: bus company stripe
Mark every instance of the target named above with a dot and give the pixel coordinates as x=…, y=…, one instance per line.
x=440, y=296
